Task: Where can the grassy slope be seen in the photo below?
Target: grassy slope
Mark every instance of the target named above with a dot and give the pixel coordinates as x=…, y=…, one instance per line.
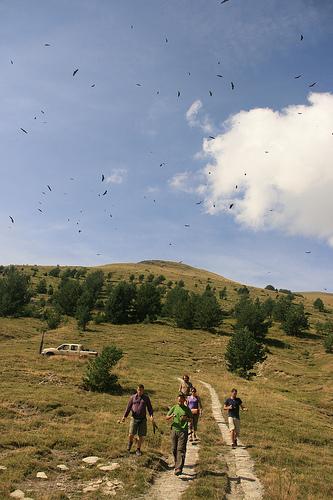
x=46, y=419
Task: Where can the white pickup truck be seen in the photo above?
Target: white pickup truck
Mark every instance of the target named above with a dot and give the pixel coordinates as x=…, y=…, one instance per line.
x=69, y=350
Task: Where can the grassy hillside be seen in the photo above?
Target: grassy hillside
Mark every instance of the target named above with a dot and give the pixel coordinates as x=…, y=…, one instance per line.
x=47, y=419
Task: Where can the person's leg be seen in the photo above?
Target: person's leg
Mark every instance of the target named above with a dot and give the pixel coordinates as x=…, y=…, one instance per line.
x=191, y=431
x=174, y=443
x=195, y=424
x=142, y=432
x=232, y=430
x=132, y=432
x=181, y=452
x=237, y=430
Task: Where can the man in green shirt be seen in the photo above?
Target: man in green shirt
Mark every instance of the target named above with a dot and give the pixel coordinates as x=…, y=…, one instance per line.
x=181, y=415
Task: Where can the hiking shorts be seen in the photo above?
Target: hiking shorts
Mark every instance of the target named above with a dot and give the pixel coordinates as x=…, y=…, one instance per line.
x=138, y=427
x=234, y=424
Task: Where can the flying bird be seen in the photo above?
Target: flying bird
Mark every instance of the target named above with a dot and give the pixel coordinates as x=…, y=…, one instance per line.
x=166, y=40
x=138, y=84
x=236, y=186
x=93, y=85
x=211, y=137
x=224, y=1
x=302, y=37
x=40, y=210
x=75, y=71
x=162, y=164
x=308, y=251
x=132, y=26
x=210, y=93
x=186, y=225
x=220, y=76
x=312, y=84
x=199, y=202
x=232, y=85
x=49, y=187
x=103, y=177
x=105, y=192
x=11, y=62
x=231, y=205
x=178, y=94
x=298, y=76
x=11, y=218
x=47, y=45
x=23, y=130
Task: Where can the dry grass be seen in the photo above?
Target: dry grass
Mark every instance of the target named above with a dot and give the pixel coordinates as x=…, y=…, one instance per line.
x=47, y=419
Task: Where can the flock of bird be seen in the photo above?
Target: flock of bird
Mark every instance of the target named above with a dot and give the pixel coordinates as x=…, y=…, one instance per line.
x=162, y=164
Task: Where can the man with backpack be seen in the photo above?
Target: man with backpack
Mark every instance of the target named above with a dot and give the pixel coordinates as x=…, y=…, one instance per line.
x=138, y=404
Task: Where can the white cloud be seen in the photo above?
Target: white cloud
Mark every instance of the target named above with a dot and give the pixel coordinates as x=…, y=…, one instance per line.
x=194, y=120
x=188, y=182
x=290, y=186
x=117, y=176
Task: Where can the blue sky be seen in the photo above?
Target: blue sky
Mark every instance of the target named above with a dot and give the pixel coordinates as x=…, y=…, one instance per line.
x=125, y=132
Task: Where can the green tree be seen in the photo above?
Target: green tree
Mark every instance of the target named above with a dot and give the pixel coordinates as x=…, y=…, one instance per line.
x=281, y=307
x=319, y=304
x=41, y=286
x=250, y=314
x=328, y=343
x=295, y=321
x=50, y=290
x=98, y=376
x=185, y=311
x=268, y=307
x=141, y=278
x=174, y=297
x=150, y=277
x=223, y=293
x=208, y=313
x=67, y=296
x=324, y=328
x=14, y=292
x=243, y=352
x=243, y=290
x=55, y=272
x=148, y=302
x=94, y=284
x=132, y=277
x=52, y=318
x=119, y=307
x=270, y=287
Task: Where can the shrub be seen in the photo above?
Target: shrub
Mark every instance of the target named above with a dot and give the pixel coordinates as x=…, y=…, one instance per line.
x=328, y=343
x=14, y=292
x=41, y=286
x=50, y=290
x=319, y=304
x=281, y=307
x=99, y=318
x=208, y=313
x=119, y=308
x=324, y=328
x=148, y=302
x=55, y=272
x=270, y=287
x=295, y=321
x=223, y=293
x=98, y=376
x=252, y=315
x=52, y=318
x=67, y=296
x=243, y=352
x=243, y=290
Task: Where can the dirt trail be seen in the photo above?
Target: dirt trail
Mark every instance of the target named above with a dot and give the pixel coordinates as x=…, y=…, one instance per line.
x=170, y=487
x=239, y=462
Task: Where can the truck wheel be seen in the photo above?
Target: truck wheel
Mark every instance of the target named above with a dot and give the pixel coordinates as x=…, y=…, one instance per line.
x=49, y=354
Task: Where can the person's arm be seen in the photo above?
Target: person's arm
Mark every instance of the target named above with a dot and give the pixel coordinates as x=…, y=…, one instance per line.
x=244, y=408
x=170, y=414
x=128, y=409
x=150, y=408
x=189, y=416
x=226, y=406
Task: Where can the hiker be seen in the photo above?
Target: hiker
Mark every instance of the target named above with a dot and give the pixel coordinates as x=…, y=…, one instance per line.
x=181, y=415
x=185, y=386
x=232, y=404
x=194, y=404
x=139, y=403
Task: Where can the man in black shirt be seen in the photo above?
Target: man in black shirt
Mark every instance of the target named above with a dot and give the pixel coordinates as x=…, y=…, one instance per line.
x=232, y=404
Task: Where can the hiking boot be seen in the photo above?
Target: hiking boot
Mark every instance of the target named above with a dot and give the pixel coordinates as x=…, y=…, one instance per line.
x=138, y=452
x=236, y=442
x=129, y=446
x=234, y=445
x=178, y=472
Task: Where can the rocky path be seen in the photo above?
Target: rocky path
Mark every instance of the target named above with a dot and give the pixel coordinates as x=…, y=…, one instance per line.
x=243, y=481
